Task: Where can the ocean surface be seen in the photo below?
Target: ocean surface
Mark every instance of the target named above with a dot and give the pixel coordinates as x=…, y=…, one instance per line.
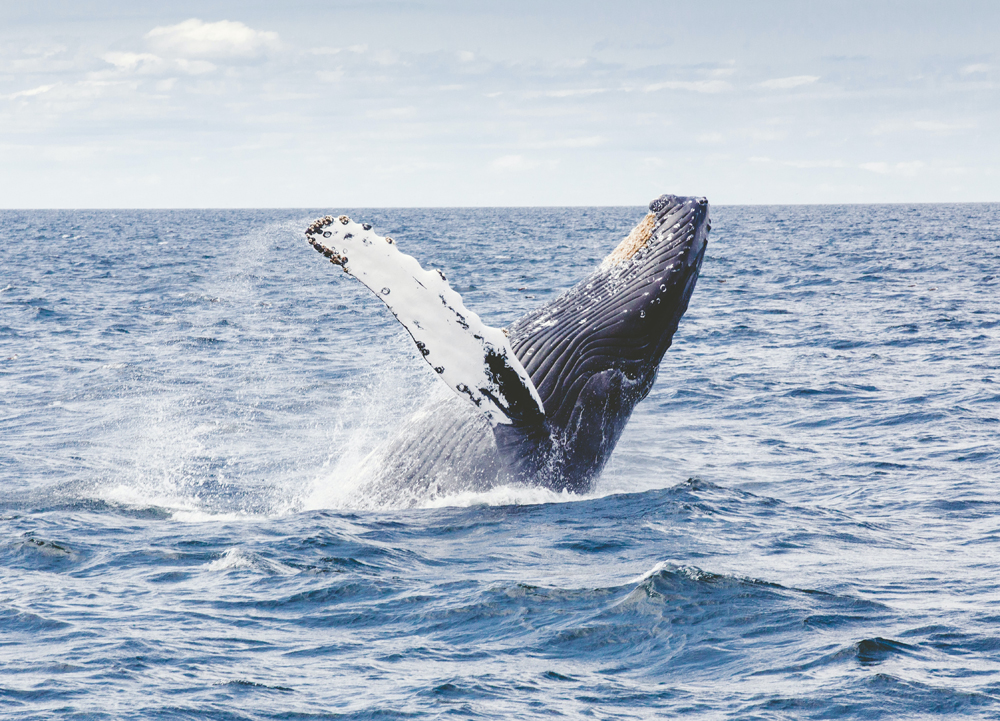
x=801, y=521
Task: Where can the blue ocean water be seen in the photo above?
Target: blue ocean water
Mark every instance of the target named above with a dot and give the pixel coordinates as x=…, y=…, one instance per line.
x=801, y=520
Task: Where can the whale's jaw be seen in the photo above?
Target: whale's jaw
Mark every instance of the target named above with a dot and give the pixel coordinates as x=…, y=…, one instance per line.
x=594, y=352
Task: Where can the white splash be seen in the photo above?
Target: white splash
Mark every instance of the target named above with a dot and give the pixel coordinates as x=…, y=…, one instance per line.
x=239, y=559
x=660, y=567
x=504, y=496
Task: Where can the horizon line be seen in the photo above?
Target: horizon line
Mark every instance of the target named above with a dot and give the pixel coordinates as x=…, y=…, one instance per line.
x=480, y=207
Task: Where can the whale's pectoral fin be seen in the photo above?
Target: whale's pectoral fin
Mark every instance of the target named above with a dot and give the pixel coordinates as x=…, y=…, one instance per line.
x=473, y=359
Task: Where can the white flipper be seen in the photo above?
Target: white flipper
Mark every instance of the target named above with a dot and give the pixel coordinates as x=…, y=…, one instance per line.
x=473, y=359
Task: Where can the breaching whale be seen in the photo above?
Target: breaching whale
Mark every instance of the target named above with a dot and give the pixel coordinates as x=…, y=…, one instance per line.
x=541, y=403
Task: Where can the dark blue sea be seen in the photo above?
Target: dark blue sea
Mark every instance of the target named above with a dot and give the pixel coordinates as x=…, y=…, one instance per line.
x=802, y=520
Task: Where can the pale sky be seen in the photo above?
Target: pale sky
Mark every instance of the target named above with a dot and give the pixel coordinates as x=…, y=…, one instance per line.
x=349, y=104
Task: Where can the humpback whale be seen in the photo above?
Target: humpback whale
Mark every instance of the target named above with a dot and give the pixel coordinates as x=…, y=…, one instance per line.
x=544, y=401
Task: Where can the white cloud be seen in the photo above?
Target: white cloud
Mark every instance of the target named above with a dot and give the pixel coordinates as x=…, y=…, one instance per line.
x=894, y=127
x=465, y=56
x=29, y=93
x=882, y=168
x=149, y=64
x=975, y=68
x=588, y=142
x=794, y=81
x=194, y=67
x=591, y=141
x=134, y=62
x=401, y=112
x=938, y=127
x=802, y=164
x=763, y=135
x=514, y=162
x=44, y=50
x=815, y=163
x=697, y=86
x=907, y=170
x=330, y=76
x=194, y=38
x=574, y=92
x=722, y=72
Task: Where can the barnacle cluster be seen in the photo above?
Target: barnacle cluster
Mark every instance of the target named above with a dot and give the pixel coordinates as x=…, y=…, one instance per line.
x=316, y=231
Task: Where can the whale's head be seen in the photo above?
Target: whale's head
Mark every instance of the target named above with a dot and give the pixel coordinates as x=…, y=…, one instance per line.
x=594, y=352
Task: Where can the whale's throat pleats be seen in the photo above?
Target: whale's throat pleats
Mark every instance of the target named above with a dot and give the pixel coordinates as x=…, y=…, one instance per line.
x=594, y=352
x=619, y=320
